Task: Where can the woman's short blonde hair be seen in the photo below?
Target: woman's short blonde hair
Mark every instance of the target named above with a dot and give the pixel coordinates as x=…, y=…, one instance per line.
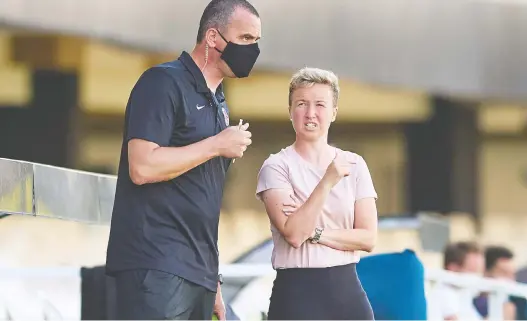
x=308, y=76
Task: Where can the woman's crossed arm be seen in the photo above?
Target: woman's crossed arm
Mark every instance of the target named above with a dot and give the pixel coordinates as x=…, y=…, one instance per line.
x=364, y=234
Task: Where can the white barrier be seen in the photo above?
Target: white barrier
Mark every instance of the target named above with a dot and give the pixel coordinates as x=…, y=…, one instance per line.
x=40, y=293
x=498, y=291
x=468, y=284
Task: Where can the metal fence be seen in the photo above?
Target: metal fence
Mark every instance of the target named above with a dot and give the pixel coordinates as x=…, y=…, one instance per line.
x=41, y=190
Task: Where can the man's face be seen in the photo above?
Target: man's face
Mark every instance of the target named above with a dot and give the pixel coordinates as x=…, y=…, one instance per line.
x=474, y=263
x=244, y=29
x=503, y=269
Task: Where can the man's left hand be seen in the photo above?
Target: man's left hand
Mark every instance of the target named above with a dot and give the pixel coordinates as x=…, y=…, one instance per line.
x=219, y=306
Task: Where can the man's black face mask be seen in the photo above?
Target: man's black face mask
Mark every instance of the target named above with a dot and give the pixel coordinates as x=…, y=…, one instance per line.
x=240, y=58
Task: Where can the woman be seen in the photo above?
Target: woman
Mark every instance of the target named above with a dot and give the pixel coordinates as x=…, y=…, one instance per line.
x=316, y=237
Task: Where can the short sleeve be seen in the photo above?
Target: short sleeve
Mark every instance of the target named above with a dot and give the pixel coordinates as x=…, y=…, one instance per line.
x=151, y=109
x=272, y=175
x=444, y=302
x=365, y=187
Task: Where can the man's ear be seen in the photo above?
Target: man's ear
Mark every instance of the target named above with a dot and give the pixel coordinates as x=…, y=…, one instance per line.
x=211, y=37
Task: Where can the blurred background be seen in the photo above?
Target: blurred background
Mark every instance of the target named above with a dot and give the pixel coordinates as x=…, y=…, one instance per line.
x=434, y=97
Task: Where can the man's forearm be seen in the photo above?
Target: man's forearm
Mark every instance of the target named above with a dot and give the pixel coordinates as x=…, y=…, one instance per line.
x=349, y=239
x=166, y=163
x=300, y=225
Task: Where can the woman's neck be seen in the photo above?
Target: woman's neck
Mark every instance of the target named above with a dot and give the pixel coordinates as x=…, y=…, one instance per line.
x=318, y=153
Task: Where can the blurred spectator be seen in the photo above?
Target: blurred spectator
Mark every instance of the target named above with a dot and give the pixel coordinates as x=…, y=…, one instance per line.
x=499, y=265
x=521, y=303
x=521, y=275
x=461, y=257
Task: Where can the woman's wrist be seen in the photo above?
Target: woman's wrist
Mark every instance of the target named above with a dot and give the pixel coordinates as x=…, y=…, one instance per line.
x=316, y=234
x=325, y=185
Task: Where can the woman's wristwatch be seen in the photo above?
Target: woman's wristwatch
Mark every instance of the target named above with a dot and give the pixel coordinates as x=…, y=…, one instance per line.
x=316, y=237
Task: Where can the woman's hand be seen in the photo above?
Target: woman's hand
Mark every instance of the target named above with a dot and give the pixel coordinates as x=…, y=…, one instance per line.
x=290, y=206
x=339, y=168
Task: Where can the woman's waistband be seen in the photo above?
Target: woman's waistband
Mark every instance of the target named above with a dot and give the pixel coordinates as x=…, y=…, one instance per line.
x=318, y=271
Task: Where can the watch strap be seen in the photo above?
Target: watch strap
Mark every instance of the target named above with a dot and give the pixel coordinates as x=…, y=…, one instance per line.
x=318, y=233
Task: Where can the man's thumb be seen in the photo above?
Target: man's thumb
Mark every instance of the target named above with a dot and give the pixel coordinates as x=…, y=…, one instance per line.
x=244, y=126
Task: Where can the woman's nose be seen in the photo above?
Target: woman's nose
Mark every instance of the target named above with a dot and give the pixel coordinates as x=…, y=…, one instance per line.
x=310, y=112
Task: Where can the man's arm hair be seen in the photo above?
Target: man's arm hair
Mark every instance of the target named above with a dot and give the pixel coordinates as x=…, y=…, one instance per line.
x=150, y=163
x=150, y=118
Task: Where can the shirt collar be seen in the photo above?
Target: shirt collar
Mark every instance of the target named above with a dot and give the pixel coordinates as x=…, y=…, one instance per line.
x=199, y=80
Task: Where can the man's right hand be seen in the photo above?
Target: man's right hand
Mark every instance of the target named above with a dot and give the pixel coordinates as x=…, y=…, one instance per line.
x=233, y=141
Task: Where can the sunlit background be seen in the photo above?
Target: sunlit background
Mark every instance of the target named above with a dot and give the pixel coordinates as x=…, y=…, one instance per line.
x=434, y=97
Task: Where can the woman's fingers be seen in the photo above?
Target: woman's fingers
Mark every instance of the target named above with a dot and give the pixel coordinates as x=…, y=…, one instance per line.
x=290, y=206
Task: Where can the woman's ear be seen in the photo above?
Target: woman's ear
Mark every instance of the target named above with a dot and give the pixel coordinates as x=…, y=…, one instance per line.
x=335, y=110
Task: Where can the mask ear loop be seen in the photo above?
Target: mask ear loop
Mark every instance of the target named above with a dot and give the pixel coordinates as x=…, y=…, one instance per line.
x=206, y=57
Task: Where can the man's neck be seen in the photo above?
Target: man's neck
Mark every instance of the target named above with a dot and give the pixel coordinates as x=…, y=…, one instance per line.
x=213, y=76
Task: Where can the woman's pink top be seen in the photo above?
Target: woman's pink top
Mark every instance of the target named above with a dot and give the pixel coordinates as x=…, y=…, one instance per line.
x=288, y=170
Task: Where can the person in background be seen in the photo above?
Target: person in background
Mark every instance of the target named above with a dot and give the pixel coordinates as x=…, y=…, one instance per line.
x=447, y=302
x=521, y=303
x=316, y=244
x=499, y=264
x=521, y=275
x=177, y=148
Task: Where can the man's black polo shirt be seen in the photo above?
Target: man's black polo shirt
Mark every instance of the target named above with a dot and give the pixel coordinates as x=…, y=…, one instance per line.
x=171, y=226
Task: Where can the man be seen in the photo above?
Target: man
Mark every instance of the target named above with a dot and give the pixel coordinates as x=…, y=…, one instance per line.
x=447, y=301
x=521, y=303
x=499, y=265
x=521, y=275
x=176, y=150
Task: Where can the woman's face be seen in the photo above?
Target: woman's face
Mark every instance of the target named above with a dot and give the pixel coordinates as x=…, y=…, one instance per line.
x=312, y=111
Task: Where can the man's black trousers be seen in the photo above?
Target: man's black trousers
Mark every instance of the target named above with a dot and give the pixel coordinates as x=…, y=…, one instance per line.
x=156, y=295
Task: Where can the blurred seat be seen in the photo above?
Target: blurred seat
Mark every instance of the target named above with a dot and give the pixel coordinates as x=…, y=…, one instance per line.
x=395, y=285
